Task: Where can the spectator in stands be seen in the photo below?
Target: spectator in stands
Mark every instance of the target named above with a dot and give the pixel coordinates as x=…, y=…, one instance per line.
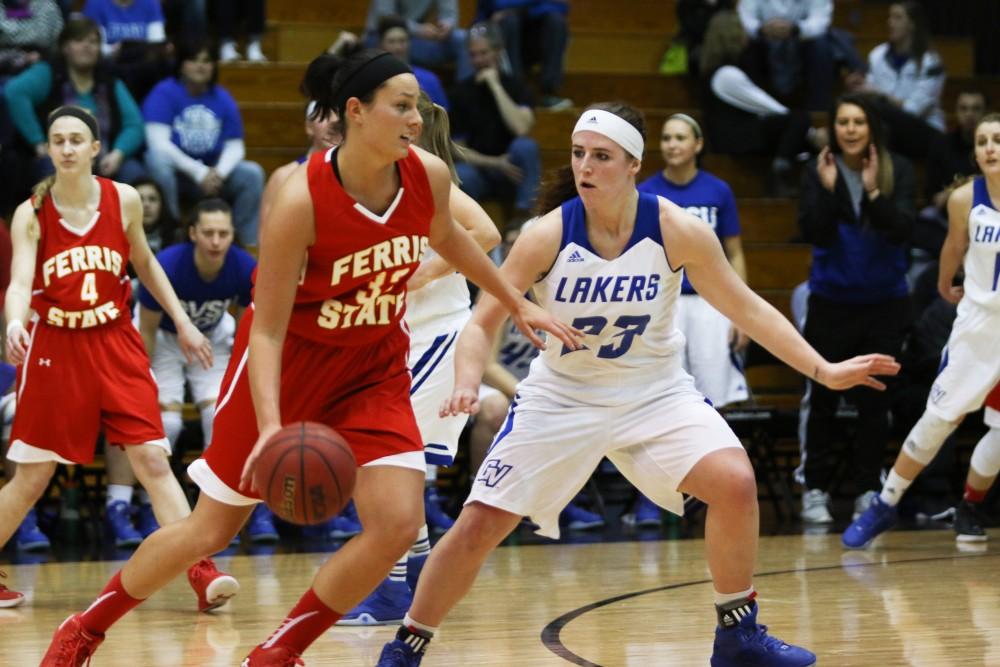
x=78, y=76
x=491, y=118
x=857, y=209
x=907, y=77
x=533, y=31
x=228, y=13
x=195, y=136
x=741, y=118
x=160, y=228
x=185, y=18
x=789, y=47
x=435, y=38
x=394, y=37
x=134, y=40
x=28, y=33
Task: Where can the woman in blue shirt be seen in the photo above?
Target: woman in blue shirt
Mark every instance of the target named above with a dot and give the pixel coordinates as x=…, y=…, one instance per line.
x=195, y=138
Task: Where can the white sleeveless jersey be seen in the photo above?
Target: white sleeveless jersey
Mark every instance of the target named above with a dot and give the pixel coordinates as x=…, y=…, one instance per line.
x=442, y=301
x=625, y=306
x=982, y=261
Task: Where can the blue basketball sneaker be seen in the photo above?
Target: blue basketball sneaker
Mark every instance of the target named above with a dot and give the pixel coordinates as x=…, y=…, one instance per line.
x=747, y=644
x=575, y=517
x=878, y=518
x=118, y=518
x=386, y=605
x=28, y=537
x=345, y=524
x=145, y=520
x=260, y=528
x=406, y=650
x=437, y=520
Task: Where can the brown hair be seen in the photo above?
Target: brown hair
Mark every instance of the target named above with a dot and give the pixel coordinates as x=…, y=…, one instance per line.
x=436, y=135
x=559, y=186
x=876, y=136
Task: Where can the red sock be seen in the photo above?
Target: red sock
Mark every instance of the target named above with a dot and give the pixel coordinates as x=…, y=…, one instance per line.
x=305, y=623
x=110, y=605
x=974, y=495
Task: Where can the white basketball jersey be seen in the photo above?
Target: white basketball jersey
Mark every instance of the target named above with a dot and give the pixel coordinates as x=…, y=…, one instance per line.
x=444, y=300
x=625, y=305
x=982, y=261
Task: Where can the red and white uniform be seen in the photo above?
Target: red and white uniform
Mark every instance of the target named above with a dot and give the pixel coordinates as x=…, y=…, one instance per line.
x=86, y=368
x=344, y=359
x=992, y=416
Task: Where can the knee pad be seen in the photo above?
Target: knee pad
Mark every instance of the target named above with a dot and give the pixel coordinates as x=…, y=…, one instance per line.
x=926, y=437
x=172, y=425
x=207, y=420
x=986, y=455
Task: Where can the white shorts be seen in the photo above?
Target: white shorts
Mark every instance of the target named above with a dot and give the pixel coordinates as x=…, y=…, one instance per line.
x=717, y=371
x=547, y=449
x=432, y=370
x=992, y=418
x=970, y=363
x=172, y=370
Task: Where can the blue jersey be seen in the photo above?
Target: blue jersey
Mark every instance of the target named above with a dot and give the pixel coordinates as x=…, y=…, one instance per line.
x=124, y=24
x=624, y=305
x=706, y=197
x=200, y=125
x=205, y=303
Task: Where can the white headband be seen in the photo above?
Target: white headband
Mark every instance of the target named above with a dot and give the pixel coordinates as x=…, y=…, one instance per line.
x=613, y=127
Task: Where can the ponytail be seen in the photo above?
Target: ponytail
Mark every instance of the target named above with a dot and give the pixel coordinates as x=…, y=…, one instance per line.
x=558, y=186
x=436, y=135
x=38, y=195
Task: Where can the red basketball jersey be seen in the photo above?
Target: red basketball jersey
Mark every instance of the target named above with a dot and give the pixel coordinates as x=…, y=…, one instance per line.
x=353, y=290
x=80, y=279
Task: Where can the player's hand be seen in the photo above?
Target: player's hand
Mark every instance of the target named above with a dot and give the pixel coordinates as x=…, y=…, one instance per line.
x=738, y=339
x=462, y=401
x=860, y=370
x=246, y=478
x=18, y=340
x=951, y=293
x=529, y=317
x=194, y=345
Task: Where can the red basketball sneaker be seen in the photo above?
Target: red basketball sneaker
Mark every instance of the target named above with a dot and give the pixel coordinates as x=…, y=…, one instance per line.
x=213, y=588
x=9, y=598
x=72, y=645
x=276, y=656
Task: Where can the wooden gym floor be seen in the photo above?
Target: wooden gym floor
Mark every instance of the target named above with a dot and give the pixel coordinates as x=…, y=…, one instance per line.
x=915, y=598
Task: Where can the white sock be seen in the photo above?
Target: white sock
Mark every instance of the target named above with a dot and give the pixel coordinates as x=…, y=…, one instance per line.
x=398, y=572
x=432, y=474
x=120, y=492
x=143, y=497
x=725, y=598
x=422, y=546
x=894, y=488
x=427, y=630
x=172, y=425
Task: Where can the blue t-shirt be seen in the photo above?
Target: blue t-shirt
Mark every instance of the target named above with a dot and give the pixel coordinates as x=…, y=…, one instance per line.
x=707, y=197
x=431, y=84
x=205, y=303
x=200, y=125
x=124, y=24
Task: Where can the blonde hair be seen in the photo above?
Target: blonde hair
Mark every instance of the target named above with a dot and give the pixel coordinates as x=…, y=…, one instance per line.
x=38, y=195
x=436, y=135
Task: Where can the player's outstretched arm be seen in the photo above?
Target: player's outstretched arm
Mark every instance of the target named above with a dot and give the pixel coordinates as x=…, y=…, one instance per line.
x=192, y=342
x=456, y=246
x=17, y=306
x=692, y=245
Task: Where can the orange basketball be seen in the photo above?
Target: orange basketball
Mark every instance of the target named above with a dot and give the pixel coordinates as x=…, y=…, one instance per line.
x=306, y=473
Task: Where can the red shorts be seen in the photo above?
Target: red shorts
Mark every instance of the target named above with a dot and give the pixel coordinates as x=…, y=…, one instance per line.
x=75, y=382
x=993, y=400
x=363, y=392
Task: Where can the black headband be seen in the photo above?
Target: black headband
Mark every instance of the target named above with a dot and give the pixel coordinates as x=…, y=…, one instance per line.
x=76, y=112
x=368, y=77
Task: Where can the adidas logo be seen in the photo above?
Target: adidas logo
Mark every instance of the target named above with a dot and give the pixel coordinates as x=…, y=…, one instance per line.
x=592, y=119
x=575, y=257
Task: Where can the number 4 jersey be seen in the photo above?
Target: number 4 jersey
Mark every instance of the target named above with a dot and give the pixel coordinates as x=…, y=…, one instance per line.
x=625, y=305
x=80, y=279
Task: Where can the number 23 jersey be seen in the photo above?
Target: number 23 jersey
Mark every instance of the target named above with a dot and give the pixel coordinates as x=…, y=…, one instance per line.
x=80, y=278
x=625, y=305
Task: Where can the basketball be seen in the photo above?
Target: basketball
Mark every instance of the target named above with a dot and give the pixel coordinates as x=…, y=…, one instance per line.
x=306, y=473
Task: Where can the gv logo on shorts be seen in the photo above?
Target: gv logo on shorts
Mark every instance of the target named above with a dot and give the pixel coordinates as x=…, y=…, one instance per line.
x=493, y=472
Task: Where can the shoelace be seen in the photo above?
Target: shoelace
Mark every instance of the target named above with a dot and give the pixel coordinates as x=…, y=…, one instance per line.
x=202, y=569
x=767, y=641
x=70, y=652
